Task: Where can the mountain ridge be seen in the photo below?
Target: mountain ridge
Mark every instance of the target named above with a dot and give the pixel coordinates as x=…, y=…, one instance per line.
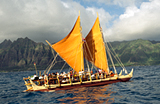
x=138, y=52
x=23, y=52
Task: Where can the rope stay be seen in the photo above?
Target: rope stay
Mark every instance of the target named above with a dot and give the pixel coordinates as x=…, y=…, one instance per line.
x=116, y=57
x=111, y=59
x=62, y=67
x=52, y=63
x=124, y=69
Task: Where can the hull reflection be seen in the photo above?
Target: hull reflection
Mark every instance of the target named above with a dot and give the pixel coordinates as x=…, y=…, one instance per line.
x=88, y=95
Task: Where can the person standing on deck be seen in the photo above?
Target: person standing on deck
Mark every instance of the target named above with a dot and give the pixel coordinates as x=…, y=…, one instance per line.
x=45, y=79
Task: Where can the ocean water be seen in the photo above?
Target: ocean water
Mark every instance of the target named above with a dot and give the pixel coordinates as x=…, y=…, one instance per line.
x=143, y=88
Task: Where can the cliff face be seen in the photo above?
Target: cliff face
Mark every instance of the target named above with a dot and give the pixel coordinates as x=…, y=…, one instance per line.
x=24, y=52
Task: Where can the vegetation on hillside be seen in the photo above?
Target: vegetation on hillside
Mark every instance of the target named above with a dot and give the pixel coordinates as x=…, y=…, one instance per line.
x=22, y=53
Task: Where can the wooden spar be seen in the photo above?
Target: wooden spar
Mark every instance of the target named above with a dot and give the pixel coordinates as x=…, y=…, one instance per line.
x=90, y=76
x=80, y=79
x=39, y=73
x=97, y=15
x=36, y=69
x=49, y=43
x=25, y=78
x=70, y=79
x=29, y=89
x=58, y=80
x=79, y=12
x=28, y=84
x=104, y=75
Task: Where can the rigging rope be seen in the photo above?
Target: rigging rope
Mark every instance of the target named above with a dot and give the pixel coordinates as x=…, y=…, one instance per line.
x=111, y=59
x=117, y=58
x=52, y=63
x=62, y=67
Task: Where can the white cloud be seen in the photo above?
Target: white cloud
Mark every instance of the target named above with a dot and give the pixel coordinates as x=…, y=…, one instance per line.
x=104, y=16
x=45, y=19
x=130, y=11
x=53, y=19
x=137, y=23
x=38, y=19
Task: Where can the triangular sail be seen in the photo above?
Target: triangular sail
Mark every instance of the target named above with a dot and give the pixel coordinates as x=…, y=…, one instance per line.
x=94, y=47
x=71, y=49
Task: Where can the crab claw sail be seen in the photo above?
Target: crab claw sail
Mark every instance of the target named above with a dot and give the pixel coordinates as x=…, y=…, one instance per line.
x=94, y=47
x=70, y=48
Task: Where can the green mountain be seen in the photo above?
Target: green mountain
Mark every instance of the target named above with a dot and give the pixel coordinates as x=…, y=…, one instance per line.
x=22, y=53
x=138, y=52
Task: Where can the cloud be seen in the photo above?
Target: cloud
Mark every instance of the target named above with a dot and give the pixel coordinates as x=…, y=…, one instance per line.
x=44, y=19
x=53, y=19
x=38, y=19
x=34, y=19
x=137, y=23
x=104, y=16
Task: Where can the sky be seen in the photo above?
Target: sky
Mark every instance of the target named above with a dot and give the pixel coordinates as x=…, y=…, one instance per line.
x=52, y=20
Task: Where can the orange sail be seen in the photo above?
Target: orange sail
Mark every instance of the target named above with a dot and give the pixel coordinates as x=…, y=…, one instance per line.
x=94, y=47
x=71, y=49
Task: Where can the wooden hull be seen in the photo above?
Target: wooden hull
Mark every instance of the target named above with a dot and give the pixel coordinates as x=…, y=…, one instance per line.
x=99, y=82
x=90, y=84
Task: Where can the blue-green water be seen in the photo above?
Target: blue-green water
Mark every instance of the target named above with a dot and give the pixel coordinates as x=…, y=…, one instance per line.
x=143, y=88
